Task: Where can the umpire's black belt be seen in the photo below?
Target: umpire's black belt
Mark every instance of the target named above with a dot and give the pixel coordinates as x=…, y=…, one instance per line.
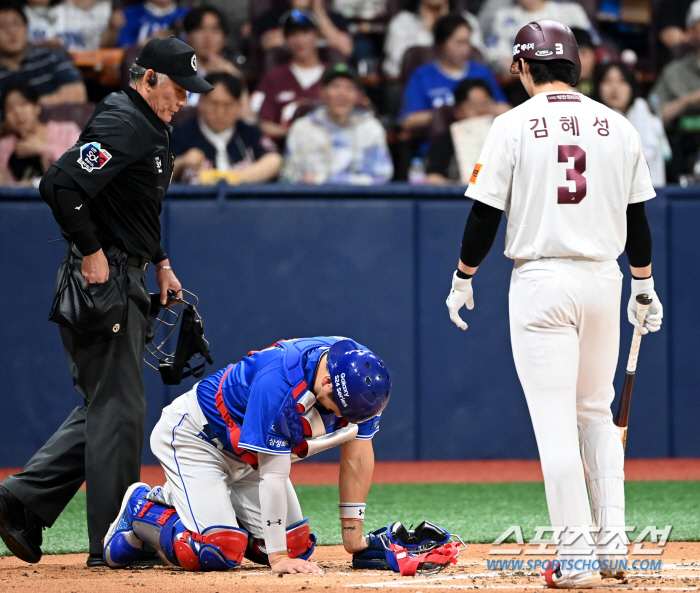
x=138, y=262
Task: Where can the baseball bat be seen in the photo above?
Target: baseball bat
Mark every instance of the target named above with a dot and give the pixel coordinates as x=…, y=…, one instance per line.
x=623, y=411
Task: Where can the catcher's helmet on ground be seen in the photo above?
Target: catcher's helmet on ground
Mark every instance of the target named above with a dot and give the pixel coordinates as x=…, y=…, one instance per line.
x=190, y=341
x=361, y=382
x=545, y=40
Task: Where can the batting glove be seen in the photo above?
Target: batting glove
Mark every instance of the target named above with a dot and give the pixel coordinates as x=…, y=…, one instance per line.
x=655, y=313
x=460, y=295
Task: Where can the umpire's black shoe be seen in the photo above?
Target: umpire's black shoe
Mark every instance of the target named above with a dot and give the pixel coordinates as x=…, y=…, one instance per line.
x=20, y=528
x=145, y=559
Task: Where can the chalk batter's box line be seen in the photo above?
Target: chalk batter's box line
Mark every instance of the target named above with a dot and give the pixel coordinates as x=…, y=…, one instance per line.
x=509, y=587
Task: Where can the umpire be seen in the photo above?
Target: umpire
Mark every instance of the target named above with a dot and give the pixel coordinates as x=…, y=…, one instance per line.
x=106, y=193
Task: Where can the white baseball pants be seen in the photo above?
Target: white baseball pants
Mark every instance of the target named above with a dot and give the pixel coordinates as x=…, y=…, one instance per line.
x=207, y=485
x=564, y=323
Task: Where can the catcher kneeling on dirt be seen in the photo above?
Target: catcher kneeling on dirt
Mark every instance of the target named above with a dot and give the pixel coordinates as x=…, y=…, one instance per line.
x=227, y=447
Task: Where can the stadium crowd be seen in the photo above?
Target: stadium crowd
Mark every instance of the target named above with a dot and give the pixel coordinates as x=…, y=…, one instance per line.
x=341, y=91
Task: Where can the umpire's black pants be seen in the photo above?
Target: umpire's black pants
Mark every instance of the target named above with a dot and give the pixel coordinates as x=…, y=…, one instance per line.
x=100, y=442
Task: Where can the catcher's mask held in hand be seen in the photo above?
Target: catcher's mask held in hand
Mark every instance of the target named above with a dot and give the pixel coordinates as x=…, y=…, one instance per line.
x=163, y=320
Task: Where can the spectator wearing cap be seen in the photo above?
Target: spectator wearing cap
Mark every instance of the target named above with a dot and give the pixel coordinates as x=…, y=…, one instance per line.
x=473, y=98
x=509, y=20
x=338, y=142
x=217, y=141
x=283, y=88
x=52, y=75
x=75, y=25
x=332, y=27
x=139, y=23
x=30, y=146
x=676, y=95
x=414, y=26
x=432, y=85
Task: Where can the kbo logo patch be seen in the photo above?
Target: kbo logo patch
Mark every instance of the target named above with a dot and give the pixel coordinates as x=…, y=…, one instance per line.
x=92, y=156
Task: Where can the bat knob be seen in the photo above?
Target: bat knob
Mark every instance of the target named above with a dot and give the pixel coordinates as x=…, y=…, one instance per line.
x=643, y=299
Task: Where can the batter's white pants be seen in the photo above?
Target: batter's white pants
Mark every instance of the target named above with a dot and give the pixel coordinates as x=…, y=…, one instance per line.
x=564, y=323
x=207, y=485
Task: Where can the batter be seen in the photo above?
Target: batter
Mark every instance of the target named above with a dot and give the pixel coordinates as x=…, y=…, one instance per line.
x=227, y=447
x=571, y=176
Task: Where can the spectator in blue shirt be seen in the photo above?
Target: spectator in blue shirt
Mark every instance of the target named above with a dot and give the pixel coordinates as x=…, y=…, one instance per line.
x=218, y=145
x=432, y=85
x=52, y=75
x=148, y=19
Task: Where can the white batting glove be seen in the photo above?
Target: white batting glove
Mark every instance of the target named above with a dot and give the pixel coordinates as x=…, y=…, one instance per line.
x=460, y=295
x=655, y=313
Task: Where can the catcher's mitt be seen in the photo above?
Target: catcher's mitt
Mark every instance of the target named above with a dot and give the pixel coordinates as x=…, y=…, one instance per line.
x=427, y=549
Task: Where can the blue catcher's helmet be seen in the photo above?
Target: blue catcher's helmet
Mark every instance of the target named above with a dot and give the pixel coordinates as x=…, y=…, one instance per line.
x=361, y=382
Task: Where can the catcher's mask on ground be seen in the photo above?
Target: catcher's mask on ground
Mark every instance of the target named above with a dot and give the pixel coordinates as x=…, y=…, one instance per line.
x=174, y=365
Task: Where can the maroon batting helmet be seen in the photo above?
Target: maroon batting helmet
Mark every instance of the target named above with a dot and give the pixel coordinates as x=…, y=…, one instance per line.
x=545, y=40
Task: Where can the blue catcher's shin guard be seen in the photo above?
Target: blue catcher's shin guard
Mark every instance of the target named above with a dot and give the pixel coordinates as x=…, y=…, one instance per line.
x=122, y=545
x=158, y=525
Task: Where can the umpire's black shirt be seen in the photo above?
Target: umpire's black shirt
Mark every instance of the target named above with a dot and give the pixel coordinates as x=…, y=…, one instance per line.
x=122, y=164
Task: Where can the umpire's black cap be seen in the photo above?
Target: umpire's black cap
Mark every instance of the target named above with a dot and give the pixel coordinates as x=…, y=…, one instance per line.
x=169, y=55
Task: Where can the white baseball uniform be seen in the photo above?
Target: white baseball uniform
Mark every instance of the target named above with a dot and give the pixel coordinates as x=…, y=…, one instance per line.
x=564, y=169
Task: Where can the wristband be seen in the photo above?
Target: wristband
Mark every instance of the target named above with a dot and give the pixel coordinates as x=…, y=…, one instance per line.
x=163, y=268
x=352, y=511
x=463, y=275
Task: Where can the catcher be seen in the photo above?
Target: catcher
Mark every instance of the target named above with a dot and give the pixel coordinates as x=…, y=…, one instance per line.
x=227, y=447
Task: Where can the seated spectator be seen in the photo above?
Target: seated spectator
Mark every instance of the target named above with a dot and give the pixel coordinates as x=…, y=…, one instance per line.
x=616, y=87
x=432, y=85
x=282, y=89
x=30, y=147
x=75, y=25
x=217, y=144
x=236, y=15
x=205, y=31
x=676, y=95
x=414, y=27
x=586, y=52
x=338, y=142
x=333, y=28
x=508, y=21
x=138, y=23
x=52, y=75
x=473, y=98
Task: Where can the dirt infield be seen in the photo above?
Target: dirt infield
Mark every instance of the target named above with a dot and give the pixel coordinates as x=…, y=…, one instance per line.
x=680, y=571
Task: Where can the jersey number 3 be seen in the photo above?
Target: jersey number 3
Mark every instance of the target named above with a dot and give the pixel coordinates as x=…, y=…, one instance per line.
x=575, y=174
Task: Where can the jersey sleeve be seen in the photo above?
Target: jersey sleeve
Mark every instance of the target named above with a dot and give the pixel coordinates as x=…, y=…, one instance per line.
x=642, y=188
x=491, y=180
x=367, y=429
x=268, y=392
x=414, y=97
x=102, y=152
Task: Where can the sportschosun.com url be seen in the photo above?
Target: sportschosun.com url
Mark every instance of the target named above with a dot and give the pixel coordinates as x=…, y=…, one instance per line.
x=534, y=564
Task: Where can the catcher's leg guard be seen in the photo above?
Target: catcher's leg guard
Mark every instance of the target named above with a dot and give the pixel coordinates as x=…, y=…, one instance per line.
x=301, y=543
x=158, y=525
x=122, y=546
x=218, y=548
x=603, y=462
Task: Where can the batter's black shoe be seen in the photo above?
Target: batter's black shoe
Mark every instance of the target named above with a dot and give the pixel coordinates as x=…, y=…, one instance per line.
x=20, y=528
